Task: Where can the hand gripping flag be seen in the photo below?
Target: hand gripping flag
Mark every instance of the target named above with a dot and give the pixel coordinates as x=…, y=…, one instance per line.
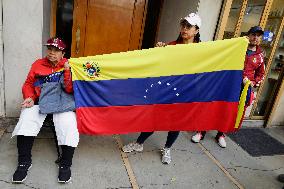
x=189, y=87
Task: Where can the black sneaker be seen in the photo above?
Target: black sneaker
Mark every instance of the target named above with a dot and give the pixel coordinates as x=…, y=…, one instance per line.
x=281, y=178
x=58, y=160
x=64, y=174
x=20, y=174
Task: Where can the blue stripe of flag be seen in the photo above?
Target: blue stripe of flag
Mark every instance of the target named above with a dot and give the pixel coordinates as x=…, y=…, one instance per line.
x=203, y=87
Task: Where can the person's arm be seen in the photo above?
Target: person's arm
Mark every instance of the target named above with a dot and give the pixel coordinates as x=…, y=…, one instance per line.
x=246, y=74
x=68, y=85
x=160, y=44
x=259, y=74
x=28, y=90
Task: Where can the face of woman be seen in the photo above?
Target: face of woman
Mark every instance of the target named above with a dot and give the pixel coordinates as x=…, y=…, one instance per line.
x=188, y=31
x=54, y=54
x=255, y=38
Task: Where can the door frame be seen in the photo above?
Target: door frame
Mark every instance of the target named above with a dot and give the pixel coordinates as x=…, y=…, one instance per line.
x=263, y=20
x=53, y=18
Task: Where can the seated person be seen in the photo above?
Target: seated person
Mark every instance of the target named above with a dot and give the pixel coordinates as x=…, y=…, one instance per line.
x=40, y=94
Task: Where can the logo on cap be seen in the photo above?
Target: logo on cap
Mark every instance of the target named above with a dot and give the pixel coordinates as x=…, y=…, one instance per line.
x=56, y=42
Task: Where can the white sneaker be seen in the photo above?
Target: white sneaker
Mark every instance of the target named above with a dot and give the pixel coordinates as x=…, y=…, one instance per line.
x=166, y=156
x=221, y=141
x=197, y=137
x=133, y=146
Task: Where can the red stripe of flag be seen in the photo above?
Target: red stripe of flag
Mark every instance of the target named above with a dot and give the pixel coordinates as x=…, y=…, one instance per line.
x=195, y=116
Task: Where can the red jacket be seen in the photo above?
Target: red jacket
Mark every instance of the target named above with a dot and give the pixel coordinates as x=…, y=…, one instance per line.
x=254, y=67
x=42, y=67
x=173, y=43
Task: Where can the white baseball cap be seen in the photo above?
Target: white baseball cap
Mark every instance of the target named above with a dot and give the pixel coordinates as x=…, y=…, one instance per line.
x=193, y=19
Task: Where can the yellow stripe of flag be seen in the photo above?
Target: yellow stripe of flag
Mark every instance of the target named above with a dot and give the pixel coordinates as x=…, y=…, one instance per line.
x=164, y=61
x=241, y=108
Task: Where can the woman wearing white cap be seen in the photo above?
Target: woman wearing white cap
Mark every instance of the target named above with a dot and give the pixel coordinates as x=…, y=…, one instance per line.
x=189, y=33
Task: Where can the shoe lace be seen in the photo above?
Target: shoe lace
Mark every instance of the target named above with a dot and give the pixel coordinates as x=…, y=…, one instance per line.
x=64, y=168
x=166, y=152
x=131, y=145
x=222, y=136
x=23, y=167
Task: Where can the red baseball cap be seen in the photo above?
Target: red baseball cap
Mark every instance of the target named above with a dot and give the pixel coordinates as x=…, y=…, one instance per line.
x=56, y=42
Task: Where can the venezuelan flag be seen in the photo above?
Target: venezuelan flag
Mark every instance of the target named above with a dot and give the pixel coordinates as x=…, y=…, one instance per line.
x=173, y=88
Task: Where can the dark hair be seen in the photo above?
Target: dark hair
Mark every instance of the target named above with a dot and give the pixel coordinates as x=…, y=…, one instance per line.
x=196, y=39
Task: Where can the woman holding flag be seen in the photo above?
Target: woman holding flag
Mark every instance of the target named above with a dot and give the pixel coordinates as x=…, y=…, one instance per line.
x=189, y=33
x=254, y=69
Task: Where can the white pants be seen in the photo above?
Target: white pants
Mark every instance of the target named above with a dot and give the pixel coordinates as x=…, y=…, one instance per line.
x=65, y=123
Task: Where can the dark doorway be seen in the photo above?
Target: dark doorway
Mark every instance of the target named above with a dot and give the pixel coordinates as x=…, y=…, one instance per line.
x=64, y=22
x=152, y=23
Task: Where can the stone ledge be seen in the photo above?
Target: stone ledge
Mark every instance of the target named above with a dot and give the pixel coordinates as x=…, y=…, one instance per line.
x=7, y=121
x=253, y=123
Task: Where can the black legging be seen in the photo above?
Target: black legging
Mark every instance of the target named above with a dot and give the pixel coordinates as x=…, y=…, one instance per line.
x=172, y=136
x=25, y=144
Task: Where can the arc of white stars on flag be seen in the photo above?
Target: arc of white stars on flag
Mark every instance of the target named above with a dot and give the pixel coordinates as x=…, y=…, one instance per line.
x=159, y=83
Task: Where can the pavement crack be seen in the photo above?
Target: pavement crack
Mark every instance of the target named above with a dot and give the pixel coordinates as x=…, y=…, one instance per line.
x=159, y=150
x=253, y=169
x=184, y=150
x=152, y=184
x=5, y=181
x=119, y=187
x=9, y=182
x=159, y=184
x=30, y=186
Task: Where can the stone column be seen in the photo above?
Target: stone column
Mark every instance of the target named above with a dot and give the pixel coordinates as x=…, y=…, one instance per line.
x=22, y=31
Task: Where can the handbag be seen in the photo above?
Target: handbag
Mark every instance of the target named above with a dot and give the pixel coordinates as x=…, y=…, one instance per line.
x=54, y=99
